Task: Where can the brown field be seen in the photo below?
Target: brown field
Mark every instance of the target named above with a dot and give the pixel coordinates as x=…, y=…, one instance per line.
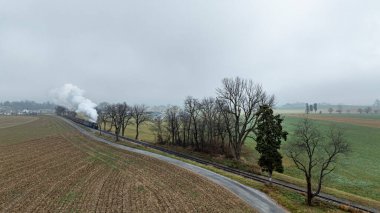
x=46, y=166
x=9, y=121
x=349, y=120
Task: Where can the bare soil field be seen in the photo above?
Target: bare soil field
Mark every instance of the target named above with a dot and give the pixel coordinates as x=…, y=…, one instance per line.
x=9, y=121
x=349, y=120
x=46, y=166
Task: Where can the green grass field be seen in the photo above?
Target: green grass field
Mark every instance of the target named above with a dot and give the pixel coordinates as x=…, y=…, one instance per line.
x=358, y=172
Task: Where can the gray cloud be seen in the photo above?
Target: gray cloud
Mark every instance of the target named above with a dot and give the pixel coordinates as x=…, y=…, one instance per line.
x=158, y=52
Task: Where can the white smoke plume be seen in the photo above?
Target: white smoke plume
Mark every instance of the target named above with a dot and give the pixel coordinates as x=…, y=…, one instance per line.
x=71, y=96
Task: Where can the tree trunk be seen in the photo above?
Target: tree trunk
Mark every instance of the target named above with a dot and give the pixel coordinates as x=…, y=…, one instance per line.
x=236, y=150
x=137, y=132
x=104, y=125
x=222, y=145
x=309, y=193
x=117, y=134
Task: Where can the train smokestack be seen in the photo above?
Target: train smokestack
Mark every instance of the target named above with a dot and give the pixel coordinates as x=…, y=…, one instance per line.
x=71, y=96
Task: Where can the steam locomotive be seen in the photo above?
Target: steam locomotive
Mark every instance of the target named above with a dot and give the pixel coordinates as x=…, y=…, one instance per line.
x=83, y=122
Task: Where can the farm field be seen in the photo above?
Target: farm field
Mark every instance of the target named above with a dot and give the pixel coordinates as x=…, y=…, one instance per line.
x=9, y=121
x=358, y=172
x=354, y=119
x=46, y=165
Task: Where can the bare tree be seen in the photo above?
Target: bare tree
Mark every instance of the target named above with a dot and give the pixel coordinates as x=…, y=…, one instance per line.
x=126, y=116
x=102, y=115
x=242, y=99
x=185, y=120
x=368, y=110
x=158, y=129
x=315, y=155
x=140, y=116
x=222, y=121
x=208, y=115
x=192, y=108
x=112, y=113
x=102, y=118
x=360, y=110
x=172, y=119
x=60, y=110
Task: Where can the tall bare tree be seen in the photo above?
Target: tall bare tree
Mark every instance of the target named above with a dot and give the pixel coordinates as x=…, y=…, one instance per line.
x=192, y=108
x=126, y=116
x=102, y=115
x=114, y=118
x=158, y=129
x=314, y=154
x=139, y=113
x=242, y=99
x=172, y=119
x=208, y=115
x=102, y=119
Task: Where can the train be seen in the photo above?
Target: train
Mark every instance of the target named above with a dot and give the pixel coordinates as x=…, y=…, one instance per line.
x=83, y=122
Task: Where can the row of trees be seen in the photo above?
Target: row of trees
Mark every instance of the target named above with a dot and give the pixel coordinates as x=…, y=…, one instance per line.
x=215, y=124
x=366, y=110
x=311, y=107
x=29, y=105
x=119, y=116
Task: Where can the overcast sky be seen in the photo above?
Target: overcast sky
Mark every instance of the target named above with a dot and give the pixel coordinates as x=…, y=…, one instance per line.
x=158, y=52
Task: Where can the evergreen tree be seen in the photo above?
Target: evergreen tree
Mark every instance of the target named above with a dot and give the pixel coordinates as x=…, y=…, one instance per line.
x=268, y=137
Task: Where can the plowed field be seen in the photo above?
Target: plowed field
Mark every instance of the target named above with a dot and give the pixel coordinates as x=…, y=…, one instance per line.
x=9, y=121
x=47, y=166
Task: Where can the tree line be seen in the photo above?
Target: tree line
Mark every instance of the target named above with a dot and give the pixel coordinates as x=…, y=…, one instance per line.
x=311, y=107
x=218, y=124
x=118, y=116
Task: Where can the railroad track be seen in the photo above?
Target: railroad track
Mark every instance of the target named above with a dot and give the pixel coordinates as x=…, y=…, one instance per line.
x=259, y=178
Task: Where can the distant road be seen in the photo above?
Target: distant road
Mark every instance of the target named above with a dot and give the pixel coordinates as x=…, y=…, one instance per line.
x=258, y=200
